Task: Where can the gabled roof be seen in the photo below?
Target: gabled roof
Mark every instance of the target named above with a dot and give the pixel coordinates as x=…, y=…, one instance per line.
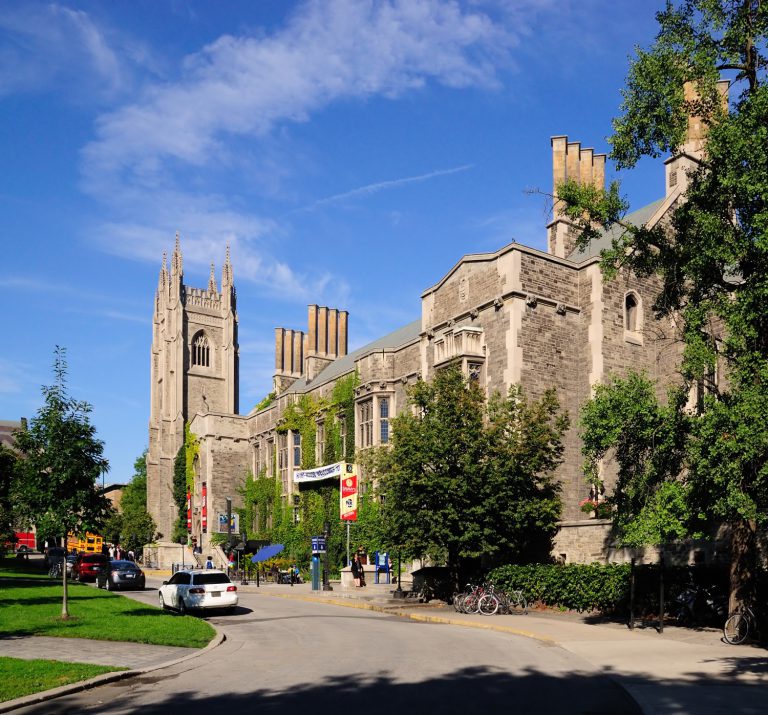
x=640, y=217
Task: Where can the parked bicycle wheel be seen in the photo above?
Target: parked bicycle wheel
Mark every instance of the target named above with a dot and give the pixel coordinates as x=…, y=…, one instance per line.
x=488, y=604
x=736, y=629
x=471, y=603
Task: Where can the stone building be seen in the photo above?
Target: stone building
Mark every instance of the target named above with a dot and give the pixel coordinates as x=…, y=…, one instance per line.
x=194, y=370
x=515, y=316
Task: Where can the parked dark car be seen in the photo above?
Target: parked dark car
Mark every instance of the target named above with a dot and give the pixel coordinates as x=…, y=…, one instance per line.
x=121, y=574
x=89, y=566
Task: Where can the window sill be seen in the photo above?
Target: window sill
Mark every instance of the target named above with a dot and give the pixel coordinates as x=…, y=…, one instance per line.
x=633, y=337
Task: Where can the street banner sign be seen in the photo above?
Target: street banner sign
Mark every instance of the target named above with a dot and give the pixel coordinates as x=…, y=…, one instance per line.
x=205, y=508
x=329, y=471
x=348, y=489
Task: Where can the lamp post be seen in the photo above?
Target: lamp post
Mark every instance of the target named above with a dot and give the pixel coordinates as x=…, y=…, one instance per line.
x=244, y=579
x=326, y=534
x=183, y=543
x=229, y=522
x=399, y=593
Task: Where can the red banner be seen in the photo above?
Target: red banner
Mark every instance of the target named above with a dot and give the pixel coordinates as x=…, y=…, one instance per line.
x=204, y=509
x=348, y=494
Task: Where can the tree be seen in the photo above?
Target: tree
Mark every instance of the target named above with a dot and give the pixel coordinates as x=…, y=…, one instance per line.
x=62, y=461
x=137, y=527
x=648, y=441
x=521, y=495
x=712, y=256
x=466, y=479
x=7, y=473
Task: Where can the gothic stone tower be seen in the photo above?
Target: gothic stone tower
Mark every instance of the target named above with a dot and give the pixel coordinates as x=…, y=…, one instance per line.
x=195, y=365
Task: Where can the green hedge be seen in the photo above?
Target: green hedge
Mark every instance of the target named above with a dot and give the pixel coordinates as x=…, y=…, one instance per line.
x=579, y=587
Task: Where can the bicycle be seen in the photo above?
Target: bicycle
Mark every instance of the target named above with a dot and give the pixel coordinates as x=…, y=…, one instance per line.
x=469, y=601
x=739, y=625
x=515, y=599
x=55, y=570
x=495, y=601
x=458, y=598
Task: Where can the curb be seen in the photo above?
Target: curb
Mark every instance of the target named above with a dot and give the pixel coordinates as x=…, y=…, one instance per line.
x=397, y=611
x=44, y=695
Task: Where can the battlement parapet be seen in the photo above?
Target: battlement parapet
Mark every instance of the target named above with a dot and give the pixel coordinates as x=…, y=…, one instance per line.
x=201, y=298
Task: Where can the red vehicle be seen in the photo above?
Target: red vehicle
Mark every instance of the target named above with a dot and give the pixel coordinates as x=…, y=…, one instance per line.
x=89, y=566
x=26, y=539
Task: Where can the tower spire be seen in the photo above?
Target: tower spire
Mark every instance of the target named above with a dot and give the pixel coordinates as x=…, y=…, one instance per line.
x=226, y=272
x=176, y=263
x=212, y=281
x=164, y=271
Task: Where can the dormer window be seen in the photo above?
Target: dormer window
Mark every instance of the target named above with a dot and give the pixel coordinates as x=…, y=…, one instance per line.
x=201, y=351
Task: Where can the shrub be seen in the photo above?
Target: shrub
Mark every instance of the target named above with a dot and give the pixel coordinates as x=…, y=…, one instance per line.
x=580, y=587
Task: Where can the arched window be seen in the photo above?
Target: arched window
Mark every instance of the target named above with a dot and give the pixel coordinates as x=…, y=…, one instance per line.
x=631, y=313
x=201, y=351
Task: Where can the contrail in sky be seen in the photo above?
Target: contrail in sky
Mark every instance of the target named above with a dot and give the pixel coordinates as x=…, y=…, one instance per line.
x=382, y=185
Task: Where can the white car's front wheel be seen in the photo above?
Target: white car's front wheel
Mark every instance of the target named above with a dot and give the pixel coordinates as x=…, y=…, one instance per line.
x=162, y=602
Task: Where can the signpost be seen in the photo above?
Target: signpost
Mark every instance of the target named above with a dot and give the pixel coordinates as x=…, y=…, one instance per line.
x=348, y=490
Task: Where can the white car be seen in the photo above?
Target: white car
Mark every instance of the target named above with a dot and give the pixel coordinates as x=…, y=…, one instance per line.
x=198, y=588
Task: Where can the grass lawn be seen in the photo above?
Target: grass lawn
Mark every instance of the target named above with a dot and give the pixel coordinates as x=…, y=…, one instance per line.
x=24, y=677
x=30, y=605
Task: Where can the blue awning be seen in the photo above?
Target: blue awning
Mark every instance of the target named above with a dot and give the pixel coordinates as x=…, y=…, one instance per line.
x=265, y=553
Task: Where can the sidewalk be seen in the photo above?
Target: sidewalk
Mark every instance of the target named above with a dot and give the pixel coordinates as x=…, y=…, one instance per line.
x=137, y=658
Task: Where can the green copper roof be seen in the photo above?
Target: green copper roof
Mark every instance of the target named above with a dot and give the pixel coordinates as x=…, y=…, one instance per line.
x=638, y=218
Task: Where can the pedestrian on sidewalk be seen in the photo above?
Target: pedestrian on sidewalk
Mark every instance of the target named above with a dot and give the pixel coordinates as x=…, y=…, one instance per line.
x=209, y=563
x=358, y=572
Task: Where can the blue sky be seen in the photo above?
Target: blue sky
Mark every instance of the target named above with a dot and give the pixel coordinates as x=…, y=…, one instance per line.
x=349, y=151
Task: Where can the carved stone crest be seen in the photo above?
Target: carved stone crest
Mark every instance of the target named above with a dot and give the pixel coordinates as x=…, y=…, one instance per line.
x=463, y=289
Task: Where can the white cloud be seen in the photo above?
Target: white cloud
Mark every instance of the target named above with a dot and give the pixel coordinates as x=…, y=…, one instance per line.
x=151, y=158
x=13, y=378
x=47, y=47
x=328, y=51
x=205, y=235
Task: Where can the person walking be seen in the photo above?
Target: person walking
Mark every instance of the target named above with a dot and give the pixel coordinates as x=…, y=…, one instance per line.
x=209, y=563
x=358, y=572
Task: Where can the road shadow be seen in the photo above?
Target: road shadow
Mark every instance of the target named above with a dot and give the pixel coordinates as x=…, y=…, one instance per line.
x=469, y=690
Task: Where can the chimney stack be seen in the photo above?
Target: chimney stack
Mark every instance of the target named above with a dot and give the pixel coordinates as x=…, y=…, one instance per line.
x=327, y=338
x=679, y=166
x=570, y=162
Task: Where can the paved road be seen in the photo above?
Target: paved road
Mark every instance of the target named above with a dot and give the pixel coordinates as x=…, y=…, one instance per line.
x=296, y=656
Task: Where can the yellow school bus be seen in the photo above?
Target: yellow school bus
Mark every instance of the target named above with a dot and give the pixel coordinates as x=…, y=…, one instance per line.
x=88, y=543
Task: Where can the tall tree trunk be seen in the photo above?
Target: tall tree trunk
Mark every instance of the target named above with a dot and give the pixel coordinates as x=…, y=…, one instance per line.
x=742, y=572
x=64, y=603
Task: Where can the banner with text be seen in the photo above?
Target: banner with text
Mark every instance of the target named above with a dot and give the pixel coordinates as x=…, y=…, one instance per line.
x=348, y=498
x=329, y=471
